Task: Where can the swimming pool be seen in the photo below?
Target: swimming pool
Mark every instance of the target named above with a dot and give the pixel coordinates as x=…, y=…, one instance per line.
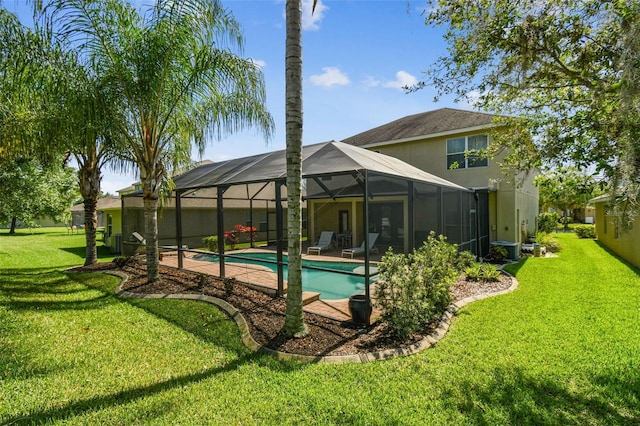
x=331, y=284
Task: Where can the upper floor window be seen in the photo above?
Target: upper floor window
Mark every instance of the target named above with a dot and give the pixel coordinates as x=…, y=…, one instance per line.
x=465, y=152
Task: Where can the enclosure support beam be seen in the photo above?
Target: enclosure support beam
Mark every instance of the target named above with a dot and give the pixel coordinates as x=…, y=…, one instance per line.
x=324, y=188
x=476, y=197
x=367, y=256
x=220, y=218
x=179, y=228
x=279, y=238
x=411, y=225
x=440, y=212
x=251, y=222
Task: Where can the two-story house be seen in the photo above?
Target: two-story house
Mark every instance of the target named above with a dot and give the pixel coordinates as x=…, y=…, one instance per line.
x=439, y=142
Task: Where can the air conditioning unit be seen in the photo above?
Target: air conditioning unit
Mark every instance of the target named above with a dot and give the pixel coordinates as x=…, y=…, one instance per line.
x=117, y=247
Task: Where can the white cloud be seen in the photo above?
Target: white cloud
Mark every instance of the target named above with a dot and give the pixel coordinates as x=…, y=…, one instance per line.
x=403, y=79
x=331, y=76
x=259, y=62
x=371, y=82
x=472, y=98
x=311, y=21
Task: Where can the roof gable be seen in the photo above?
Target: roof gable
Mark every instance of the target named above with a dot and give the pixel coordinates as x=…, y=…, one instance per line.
x=444, y=120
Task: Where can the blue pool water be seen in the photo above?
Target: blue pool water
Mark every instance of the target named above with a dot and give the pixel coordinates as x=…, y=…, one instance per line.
x=331, y=285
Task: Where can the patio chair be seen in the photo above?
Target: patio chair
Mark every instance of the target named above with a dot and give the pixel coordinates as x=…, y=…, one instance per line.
x=324, y=243
x=373, y=236
x=139, y=238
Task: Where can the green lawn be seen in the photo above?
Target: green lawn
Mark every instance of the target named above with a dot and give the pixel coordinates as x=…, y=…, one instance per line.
x=564, y=348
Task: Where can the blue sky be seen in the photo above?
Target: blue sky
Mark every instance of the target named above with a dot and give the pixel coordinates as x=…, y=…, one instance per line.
x=357, y=54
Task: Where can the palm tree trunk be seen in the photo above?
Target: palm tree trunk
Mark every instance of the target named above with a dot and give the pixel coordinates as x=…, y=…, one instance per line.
x=294, y=321
x=91, y=223
x=150, y=199
x=89, y=178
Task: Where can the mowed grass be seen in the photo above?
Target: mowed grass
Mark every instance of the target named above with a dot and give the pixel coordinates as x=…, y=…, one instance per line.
x=564, y=348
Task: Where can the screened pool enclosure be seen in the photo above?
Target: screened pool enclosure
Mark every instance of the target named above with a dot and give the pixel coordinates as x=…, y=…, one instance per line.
x=348, y=190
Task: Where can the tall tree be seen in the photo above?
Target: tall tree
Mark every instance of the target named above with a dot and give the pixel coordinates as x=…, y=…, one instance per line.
x=180, y=84
x=30, y=190
x=86, y=113
x=565, y=188
x=294, y=321
x=53, y=107
x=569, y=66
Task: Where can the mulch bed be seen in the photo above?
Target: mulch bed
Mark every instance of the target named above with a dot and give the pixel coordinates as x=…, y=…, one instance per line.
x=265, y=314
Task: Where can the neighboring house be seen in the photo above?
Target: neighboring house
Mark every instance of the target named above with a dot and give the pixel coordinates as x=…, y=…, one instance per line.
x=436, y=142
x=584, y=214
x=610, y=233
x=77, y=211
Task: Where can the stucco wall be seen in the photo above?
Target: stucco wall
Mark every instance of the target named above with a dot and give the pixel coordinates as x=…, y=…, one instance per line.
x=513, y=209
x=624, y=244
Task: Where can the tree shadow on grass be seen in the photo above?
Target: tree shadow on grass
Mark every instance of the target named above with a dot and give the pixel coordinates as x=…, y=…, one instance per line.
x=61, y=412
x=50, y=285
x=224, y=335
x=103, y=252
x=514, y=268
x=515, y=397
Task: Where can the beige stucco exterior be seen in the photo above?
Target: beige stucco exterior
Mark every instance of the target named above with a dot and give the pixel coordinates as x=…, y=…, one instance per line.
x=623, y=243
x=513, y=201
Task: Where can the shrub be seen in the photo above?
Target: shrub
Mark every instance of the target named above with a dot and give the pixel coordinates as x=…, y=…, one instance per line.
x=413, y=289
x=548, y=222
x=565, y=221
x=121, y=262
x=482, y=272
x=465, y=259
x=497, y=254
x=211, y=243
x=550, y=242
x=585, y=231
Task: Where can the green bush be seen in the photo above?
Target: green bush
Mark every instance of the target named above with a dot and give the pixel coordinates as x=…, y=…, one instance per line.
x=497, y=254
x=548, y=222
x=211, y=243
x=465, y=259
x=550, y=242
x=585, y=231
x=121, y=262
x=482, y=272
x=413, y=289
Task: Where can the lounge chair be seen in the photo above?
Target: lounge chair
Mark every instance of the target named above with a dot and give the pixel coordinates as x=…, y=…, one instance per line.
x=324, y=243
x=139, y=238
x=360, y=250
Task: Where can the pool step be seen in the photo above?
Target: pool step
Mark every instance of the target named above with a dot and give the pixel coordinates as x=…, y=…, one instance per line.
x=309, y=296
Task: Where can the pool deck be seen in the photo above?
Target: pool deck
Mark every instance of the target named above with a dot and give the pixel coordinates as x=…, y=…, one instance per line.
x=264, y=278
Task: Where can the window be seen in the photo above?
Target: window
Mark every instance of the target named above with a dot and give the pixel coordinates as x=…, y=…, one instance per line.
x=464, y=152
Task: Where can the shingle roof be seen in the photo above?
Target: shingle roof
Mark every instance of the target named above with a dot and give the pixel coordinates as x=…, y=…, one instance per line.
x=103, y=203
x=422, y=125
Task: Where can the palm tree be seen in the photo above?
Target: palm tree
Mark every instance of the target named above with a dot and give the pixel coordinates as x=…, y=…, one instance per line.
x=178, y=80
x=87, y=113
x=58, y=110
x=294, y=322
